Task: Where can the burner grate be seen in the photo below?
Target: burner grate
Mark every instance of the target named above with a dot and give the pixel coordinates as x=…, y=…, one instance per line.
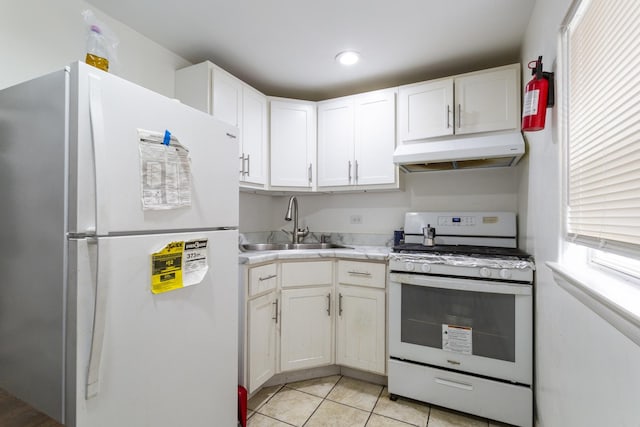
x=476, y=251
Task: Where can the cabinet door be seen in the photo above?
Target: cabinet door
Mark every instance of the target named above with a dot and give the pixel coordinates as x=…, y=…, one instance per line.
x=306, y=336
x=375, y=118
x=488, y=101
x=293, y=143
x=360, y=341
x=261, y=342
x=335, y=143
x=226, y=97
x=254, y=135
x=425, y=110
x=193, y=86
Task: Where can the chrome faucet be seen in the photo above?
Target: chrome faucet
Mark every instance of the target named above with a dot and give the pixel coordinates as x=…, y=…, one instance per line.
x=292, y=213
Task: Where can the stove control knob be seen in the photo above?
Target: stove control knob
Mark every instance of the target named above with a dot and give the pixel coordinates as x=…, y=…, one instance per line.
x=505, y=274
x=485, y=272
x=425, y=268
x=409, y=266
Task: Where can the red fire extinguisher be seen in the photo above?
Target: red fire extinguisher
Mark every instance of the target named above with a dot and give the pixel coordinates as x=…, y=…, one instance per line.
x=538, y=95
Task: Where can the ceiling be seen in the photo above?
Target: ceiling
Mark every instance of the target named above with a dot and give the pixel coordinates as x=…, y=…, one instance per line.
x=287, y=47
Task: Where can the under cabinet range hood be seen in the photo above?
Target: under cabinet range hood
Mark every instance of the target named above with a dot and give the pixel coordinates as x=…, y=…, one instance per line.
x=460, y=152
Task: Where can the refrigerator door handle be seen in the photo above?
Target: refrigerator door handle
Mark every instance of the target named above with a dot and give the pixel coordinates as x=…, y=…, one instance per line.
x=99, y=321
x=99, y=154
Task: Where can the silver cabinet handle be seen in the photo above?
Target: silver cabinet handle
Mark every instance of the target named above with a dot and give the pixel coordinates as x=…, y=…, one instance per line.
x=276, y=315
x=349, y=170
x=448, y=113
x=340, y=305
x=230, y=135
x=329, y=304
x=310, y=173
x=271, y=276
x=356, y=170
x=360, y=273
x=248, y=165
x=459, y=116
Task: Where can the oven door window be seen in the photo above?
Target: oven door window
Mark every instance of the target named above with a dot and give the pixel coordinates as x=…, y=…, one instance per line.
x=478, y=323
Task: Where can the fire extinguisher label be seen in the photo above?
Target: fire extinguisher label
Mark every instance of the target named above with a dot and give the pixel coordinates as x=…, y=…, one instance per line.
x=530, y=107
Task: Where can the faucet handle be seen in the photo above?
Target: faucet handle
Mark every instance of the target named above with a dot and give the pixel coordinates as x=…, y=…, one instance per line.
x=303, y=231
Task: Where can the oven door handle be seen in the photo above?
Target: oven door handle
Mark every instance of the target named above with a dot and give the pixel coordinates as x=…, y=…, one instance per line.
x=460, y=284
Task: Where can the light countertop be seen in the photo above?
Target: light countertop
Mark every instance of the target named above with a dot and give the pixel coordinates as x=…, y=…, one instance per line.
x=375, y=253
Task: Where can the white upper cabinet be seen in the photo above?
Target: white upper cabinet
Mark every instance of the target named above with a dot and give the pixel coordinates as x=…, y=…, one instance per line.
x=226, y=97
x=375, y=130
x=211, y=89
x=488, y=101
x=482, y=101
x=426, y=110
x=293, y=144
x=253, y=153
x=356, y=139
x=335, y=142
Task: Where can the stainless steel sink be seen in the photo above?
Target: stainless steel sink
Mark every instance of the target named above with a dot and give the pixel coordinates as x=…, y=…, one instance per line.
x=289, y=246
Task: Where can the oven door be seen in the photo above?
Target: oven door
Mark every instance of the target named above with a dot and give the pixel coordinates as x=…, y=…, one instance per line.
x=467, y=325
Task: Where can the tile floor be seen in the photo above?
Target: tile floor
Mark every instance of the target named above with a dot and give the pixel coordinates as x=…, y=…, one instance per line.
x=338, y=401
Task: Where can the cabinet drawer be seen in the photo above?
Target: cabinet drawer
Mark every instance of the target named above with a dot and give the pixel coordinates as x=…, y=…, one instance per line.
x=362, y=273
x=307, y=273
x=262, y=279
x=499, y=401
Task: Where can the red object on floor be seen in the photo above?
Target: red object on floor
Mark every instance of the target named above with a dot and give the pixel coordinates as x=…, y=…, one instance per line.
x=242, y=406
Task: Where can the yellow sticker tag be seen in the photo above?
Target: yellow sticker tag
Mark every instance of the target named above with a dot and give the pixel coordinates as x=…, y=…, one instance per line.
x=166, y=268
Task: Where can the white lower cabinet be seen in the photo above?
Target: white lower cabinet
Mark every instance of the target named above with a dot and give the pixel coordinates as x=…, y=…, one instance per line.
x=307, y=314
x=361, y=316
x=306, y=336
x=261, y=341
x=360, y=328
x=259, y=317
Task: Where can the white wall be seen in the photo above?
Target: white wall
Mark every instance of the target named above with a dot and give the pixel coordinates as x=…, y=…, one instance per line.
x=587, y=373
x=41, y=36
x=381, y=213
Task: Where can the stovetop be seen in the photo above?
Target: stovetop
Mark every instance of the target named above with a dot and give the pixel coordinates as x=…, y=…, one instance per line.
x=474, y=251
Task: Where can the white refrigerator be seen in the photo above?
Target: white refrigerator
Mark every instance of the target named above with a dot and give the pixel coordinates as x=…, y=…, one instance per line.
x=119, y=230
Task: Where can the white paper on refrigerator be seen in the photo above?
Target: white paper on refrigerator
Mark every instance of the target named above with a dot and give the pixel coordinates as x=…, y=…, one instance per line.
x=165, y=171
x=195, y=261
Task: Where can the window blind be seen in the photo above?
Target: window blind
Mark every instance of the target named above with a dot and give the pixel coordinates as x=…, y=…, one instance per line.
x=602, y=42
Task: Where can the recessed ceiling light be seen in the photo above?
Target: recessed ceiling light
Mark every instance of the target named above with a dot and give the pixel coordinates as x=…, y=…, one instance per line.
x=348, y=57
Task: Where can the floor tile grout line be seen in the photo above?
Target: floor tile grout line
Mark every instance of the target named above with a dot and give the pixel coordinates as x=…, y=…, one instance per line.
x=396, y=419
x=355, y=407
x=276, y=419
x=266, y=401
x=374, y=405
x=281, y=387
x=323, y=399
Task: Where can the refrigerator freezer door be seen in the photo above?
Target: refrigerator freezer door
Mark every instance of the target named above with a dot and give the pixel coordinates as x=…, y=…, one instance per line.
x=105, y=178
x=166, y=359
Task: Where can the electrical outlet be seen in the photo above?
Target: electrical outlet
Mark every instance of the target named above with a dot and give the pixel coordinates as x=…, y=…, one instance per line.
x=355, y=219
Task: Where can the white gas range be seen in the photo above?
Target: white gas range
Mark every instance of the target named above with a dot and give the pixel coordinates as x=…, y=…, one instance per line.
x=461, y=315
